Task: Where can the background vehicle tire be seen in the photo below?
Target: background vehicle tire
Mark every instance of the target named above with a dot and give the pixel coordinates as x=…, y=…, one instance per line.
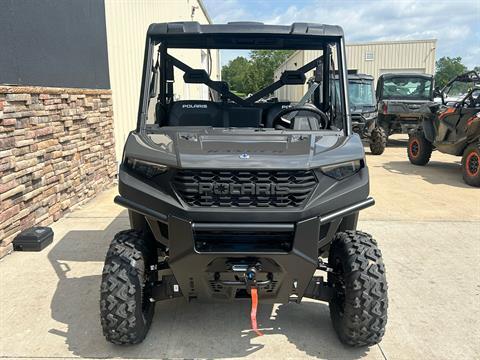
x=378, y=141
x=471, y=165
x=419, y=149
x=359, y=307
x=125, y=310
x=383, y=122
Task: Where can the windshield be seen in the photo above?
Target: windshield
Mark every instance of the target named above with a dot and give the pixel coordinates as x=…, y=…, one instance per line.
x=459, y=89
x=243, y=88
x=361, y=93
x=403, y=87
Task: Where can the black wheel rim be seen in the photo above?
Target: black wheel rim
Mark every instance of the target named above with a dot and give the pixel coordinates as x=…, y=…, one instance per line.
x=414, y=147
x=472, y=164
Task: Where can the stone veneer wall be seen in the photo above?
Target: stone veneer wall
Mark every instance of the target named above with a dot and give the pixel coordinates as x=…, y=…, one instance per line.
x=56, y=150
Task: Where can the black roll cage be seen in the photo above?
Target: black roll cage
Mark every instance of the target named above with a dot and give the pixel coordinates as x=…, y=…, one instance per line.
x=167, y=62
x=289, y=77
x=469, y=76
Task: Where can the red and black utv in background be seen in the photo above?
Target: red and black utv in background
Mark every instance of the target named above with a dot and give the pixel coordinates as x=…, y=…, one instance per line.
x=452, y=128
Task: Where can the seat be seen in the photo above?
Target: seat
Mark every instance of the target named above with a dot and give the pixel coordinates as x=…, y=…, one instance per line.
x=195, y=113
x=160, y=114
x=239, y=116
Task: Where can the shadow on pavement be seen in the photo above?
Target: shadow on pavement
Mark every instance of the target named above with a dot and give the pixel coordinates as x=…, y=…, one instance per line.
x=435, y=172
x=392, y=143
x=398, y=143
x=179, y=329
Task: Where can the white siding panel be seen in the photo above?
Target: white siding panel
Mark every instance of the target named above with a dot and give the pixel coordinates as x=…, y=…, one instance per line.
x=127, y=22
x=290, y=92
x=398, y=56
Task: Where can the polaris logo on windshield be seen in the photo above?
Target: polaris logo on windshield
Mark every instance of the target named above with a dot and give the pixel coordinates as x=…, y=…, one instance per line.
x=242, y=189
x=194, y=106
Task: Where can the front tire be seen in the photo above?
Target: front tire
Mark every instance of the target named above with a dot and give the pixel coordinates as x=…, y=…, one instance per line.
x=358, y=308
x=471, y=165
x=419, y=149
x=125, y=310
x=378, y=141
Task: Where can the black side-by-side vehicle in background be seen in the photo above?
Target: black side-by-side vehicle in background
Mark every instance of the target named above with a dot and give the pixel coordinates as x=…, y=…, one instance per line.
x=401, y=99
x=452, y=127
x=363, y=107
x=235, y=197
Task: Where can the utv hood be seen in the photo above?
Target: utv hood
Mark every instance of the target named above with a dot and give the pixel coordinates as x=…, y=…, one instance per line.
x=210, y=148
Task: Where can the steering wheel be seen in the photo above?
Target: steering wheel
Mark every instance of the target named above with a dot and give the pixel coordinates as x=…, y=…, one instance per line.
x=322, y=116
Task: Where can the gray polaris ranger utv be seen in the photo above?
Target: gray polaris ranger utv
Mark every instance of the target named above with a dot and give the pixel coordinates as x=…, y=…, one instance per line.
x=401, y=101
x=235, y=198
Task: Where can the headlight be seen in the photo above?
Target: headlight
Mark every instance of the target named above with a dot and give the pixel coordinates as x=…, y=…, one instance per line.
x=342, y=170
x=146, y=168
x=370, y=115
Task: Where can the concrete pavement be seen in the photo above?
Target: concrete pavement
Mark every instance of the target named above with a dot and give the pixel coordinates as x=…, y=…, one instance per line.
x=431, y=249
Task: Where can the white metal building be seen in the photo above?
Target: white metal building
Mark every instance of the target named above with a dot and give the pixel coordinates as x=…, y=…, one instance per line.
x=372, y=58
x=377, y=58
x=127, y=22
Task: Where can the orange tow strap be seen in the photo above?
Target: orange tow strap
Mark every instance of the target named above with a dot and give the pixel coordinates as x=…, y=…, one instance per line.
x=253, y=313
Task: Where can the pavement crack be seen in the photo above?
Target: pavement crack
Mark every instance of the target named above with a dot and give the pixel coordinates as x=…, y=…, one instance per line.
x=381, y=350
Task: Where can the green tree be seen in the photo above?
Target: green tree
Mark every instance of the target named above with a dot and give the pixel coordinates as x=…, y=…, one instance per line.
x=248, y=76
x=264, y=63
x=447, y=68
x=234, y=73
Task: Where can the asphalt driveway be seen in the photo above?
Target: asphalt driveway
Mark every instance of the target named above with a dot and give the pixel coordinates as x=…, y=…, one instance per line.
x=427, y=223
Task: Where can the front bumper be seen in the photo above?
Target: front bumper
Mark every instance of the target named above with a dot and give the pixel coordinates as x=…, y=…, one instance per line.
x=203, y=256
x=210, y=274
x=206, y=243
x=362, y=126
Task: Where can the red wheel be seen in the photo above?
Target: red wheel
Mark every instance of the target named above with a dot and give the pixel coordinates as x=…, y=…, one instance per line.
x=471, y=165
x=413, y=148
x=419, y=149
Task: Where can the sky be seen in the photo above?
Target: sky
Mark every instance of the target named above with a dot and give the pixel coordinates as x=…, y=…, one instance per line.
x=455, y=24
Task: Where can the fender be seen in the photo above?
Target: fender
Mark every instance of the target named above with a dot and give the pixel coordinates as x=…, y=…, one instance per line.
x=428, y=129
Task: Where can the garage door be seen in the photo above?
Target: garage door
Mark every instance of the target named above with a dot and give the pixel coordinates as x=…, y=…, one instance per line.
x=398, y=71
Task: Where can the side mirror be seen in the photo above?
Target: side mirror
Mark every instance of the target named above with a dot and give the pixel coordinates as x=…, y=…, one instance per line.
x=293, y=77
x=437, y=92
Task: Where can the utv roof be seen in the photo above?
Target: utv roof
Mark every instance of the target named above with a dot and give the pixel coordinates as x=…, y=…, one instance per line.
x=360, y=77
x=244, y=27
x=249, y=35
x=354, y=75
x=395, y=75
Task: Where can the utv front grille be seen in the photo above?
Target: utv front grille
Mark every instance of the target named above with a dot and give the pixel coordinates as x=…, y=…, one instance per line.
x=243, y=241
x=358, y=118
x=244, y=188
